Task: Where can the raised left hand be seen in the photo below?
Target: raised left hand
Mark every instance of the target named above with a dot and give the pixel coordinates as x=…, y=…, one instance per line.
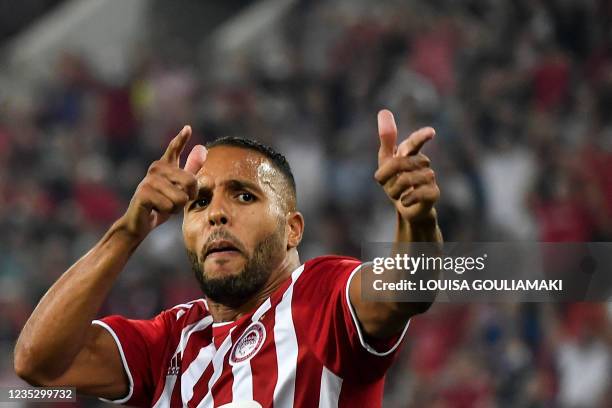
x=405, y=173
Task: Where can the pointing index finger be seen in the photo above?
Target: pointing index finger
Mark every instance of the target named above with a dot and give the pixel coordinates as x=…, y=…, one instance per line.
x=176, y=146
x=413, y=144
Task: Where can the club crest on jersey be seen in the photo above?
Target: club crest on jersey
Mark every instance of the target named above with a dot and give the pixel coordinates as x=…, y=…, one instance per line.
x=248, y=344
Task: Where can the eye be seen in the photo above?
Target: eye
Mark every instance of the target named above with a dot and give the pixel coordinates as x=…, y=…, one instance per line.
x=246, y=197
x=200, y=203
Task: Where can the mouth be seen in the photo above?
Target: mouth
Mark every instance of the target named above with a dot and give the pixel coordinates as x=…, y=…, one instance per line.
x=221, y=248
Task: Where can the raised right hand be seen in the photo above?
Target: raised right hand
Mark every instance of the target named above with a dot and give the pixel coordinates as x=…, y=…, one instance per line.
x=165, y=189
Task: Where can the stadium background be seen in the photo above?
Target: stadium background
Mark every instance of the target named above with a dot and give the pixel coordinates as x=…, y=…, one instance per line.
x=520, y=93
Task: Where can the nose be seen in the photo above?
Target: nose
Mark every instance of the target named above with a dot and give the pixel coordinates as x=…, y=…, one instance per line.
x=217, y=213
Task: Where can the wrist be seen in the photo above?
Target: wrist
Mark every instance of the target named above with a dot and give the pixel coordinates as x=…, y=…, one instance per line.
x=425, y=222
x=421, y=229
x=122, y=230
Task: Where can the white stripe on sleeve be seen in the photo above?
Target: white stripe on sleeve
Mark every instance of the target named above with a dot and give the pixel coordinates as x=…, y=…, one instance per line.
x=123, y=361
x=365, y=345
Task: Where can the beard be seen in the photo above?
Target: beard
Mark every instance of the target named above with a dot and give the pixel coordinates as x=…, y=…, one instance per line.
x=236, y=289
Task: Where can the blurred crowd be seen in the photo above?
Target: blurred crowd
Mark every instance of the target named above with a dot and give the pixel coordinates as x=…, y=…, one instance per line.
x=520, y=93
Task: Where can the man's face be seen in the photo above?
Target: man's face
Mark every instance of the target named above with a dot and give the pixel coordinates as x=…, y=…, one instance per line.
x=235, y=230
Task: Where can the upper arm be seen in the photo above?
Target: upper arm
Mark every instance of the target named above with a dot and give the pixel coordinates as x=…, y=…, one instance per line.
x=334, y=331
x=97, y=369
x=381, y=320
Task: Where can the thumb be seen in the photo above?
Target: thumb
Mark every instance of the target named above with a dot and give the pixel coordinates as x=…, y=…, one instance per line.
x=196, y=159
x=387, y=132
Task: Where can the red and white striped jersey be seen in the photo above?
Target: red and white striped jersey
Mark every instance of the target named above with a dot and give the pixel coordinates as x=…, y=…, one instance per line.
x=302, y=347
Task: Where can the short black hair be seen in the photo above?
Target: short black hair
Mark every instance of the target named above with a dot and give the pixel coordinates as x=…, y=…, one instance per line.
x=278, y=160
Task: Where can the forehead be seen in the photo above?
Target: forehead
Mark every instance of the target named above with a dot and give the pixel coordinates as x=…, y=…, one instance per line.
x=230, y=162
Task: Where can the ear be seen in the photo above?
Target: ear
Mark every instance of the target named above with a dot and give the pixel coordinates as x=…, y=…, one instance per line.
x=295, y=229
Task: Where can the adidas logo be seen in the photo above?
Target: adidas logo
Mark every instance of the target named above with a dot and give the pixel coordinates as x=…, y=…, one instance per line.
x=175, y=366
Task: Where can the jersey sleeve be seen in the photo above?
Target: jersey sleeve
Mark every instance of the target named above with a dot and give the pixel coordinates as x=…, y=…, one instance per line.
x=141, y=344
x=338, y=338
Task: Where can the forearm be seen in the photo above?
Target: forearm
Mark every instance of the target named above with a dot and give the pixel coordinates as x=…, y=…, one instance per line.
x=55, y=332
x=426, y=230
x=423, y=231
x=385, y=318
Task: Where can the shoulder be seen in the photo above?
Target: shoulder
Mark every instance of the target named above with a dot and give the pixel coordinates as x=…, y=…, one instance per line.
x=330, y=264
x=185, y=314
x=326, y=274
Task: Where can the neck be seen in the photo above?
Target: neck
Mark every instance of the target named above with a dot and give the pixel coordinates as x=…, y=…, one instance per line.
x=224, y=313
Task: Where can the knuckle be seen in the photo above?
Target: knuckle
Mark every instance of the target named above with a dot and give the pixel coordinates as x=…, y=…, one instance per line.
x=151, y=180
x=190, y=181
x=137, y=200
x=166, y=205
x=143, y=188
x=177, y=190
x=174, y=192
x=173, y=207
x=407, y=197
x=405, y=179
x=180, y=197
x=396, y=164
x=410, y=163
x=424, y=160
x=384, y=174
x=154, y=167
x=389, y=190
x=432, y=194
x=395, y=193
x=179, y=194
x=178, y=175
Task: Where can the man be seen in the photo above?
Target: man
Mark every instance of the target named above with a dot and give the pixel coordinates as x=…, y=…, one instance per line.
x=269, y=330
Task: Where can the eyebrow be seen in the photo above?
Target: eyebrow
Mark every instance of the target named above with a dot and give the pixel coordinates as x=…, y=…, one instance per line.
x=236, y=184
x=232, y=184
